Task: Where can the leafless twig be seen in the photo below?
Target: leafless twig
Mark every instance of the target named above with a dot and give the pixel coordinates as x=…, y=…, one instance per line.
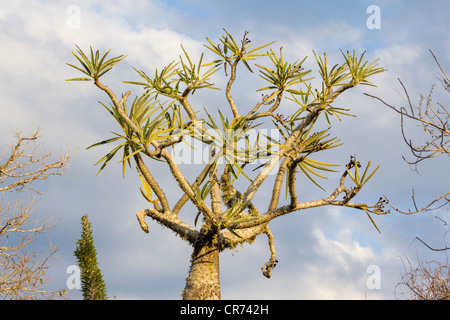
x=22, y=273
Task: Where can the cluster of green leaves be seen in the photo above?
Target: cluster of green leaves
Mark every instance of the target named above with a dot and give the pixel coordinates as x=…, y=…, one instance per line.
x=360, y=180
x=283, y=76
x=305, y=145
x=350, y=73
x=337, y=78
x=95, y=67
x=357, y=178
x=233, y=53
x=167, y=82
x=227, y=140
x=154, y=123
x=291, y=78
x=235, y=215
x=359, y=69
x=355, y=70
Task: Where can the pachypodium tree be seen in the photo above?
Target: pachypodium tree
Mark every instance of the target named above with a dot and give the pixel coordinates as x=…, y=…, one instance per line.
x=240, y=152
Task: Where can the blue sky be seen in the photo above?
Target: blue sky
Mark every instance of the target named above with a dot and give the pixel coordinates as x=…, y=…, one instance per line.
x=323, y=253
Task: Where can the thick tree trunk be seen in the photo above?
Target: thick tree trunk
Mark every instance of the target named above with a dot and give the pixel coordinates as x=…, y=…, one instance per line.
x=203, y=282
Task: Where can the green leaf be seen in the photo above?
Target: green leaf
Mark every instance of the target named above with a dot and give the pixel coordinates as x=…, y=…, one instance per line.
x=107, y=158
x=79, y=79
x=357, y=173
x=370, y=176
x=246, y=64
x=147, y=192
x=84, y=61
x=250, y=53
x=235, y=209
x=232, y=231
x=305, y=170
x=103, y=142
x=213, y=48
x=127, y=155
x=146, y=196
x=319, y=165
x=246, y=218
x=196, y=218
x=81, y=70
x=206, y=189
x=307, y=167
x=353, y=178
x=373, y=222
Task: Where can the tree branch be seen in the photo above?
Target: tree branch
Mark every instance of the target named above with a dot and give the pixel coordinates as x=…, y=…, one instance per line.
x=331, y=200
x=21, y=169
x=187, y=107
x=198, y=181
x=430, y=122
x=140, y=163
x=216, y=199
x=184, y=185
x=264, y=173
x=170, y=221
x=269, y=265
x=442, y=249
x=229, y=85
x=269, y=113
x=118, y=104
x=425, y=208
x=278, y=184
x=245, y=235
x=152, y=182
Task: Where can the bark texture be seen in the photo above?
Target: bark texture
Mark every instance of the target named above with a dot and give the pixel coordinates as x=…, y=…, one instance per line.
x=203, y=282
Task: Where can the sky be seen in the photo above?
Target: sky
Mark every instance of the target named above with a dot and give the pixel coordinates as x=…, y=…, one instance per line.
x=323, y=253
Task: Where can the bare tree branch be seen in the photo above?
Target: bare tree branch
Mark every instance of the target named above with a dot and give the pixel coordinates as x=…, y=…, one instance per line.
x=428, y=280
x=22, y=273
x=435, y=123
x=433, y=249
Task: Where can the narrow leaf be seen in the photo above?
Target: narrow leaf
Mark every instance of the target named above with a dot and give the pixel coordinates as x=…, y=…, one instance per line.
x=373, y=222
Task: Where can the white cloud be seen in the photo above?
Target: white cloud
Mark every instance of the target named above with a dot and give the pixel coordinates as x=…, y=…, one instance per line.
x=344, y=251
x=39, y=44
x=313, y=266
x=399, y=56
x=339, y=270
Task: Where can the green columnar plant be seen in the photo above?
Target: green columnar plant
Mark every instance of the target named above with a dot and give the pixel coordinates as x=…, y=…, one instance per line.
x=93, y=285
